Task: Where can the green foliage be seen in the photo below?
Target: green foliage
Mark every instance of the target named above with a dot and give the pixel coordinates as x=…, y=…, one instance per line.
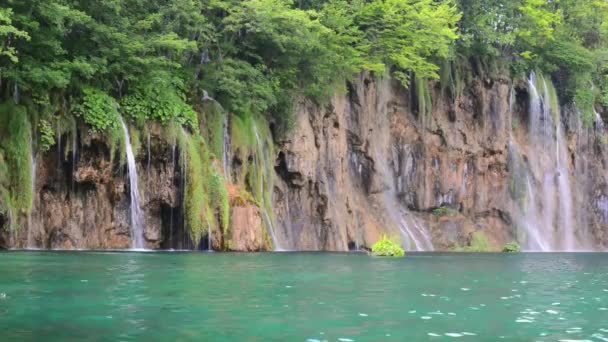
x=479, y=243
x=47, y=135
x=160, y=97
x=388, y=247
x=98, y=109
x=405, y=33
x=512, y=247
x=7, y=33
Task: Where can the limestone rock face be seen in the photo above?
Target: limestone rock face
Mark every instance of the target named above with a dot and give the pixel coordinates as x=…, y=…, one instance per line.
x=371, y=162
x=247, y=232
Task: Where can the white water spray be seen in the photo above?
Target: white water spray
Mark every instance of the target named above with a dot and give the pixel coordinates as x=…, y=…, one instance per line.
x=264, y=167
x=548, y=222
x=226, y=148
x=30, y=242
x=415, y=235
x=137, y=232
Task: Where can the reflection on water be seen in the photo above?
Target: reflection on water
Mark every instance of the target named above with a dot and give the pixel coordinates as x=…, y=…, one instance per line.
x=302, y=296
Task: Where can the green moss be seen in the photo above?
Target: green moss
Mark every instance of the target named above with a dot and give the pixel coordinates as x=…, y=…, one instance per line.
x=251, y=138
x=388, y=247
x=515, y=123
x=220, y=200
x=423, y=95
x=242, y=135
x=206, y=194
x=15, y=135
x=194, y=202
x=444, y=211
x=213, y=129
x=137, y=140
x=479, y=243
x=512, y=247
x=118, y=144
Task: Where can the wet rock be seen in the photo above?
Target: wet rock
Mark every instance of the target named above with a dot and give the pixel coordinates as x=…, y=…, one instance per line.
x=247, y=231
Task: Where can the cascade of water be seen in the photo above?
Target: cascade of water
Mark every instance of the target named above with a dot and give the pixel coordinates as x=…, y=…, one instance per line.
x=173, y=149
x=415, y=235
x=525, y=196
x=265, y=169
x=511, y=98
x=209, y=247
x=149, y=158
x=16, y=94
x=184, y=177
x=58, y=134
x=602, y=202
x=226, y=145
x=74, y=154
x=549, y=223
x=30, y=243
x=137, y=233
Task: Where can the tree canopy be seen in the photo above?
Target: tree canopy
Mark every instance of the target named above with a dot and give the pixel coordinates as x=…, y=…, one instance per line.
x=157, y=58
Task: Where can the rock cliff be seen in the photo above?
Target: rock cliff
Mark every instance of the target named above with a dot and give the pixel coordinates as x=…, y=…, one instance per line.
x=376, y=160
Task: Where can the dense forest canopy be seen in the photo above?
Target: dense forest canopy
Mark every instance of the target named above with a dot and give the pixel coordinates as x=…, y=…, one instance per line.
x=155, y=60
x=257, y=55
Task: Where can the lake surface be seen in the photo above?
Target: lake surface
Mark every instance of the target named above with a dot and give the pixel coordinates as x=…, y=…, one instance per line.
x=302, y=296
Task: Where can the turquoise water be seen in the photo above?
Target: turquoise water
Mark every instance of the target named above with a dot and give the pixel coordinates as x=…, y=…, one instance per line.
x=302, y=296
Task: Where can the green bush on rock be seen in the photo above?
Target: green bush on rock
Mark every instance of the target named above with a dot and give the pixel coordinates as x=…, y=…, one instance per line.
x=512, y=247
x=388, y=247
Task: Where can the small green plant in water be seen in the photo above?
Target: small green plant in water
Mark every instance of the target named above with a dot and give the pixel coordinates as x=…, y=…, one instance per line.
x=512, y=247
x=388, y=247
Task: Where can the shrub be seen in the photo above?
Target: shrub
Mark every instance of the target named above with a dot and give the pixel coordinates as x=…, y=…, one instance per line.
x=99, y=110
x=388, y=247
x=47, y=135
x=512, y=247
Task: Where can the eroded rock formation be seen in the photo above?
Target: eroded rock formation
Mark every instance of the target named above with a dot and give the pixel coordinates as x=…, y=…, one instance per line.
x=372, y=162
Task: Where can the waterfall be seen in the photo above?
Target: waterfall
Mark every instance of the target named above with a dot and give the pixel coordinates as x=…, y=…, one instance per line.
x=137, y=233
x=226, y=145
x=266, y=172
x=74, y=154
x=149, y=158
x=58, y=134
x=173, y=150
x=209, y=247
x=415, y=235
x=524, y=194
x=548, y=221
x=33, y=184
